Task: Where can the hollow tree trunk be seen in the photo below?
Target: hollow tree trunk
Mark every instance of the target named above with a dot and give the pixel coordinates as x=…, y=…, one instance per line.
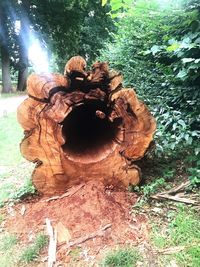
x=78, y=129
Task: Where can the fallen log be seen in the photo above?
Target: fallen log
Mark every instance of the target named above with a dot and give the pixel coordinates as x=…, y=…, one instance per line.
x=83, y=125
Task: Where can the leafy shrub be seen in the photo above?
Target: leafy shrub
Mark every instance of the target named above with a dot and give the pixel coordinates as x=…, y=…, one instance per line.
x=158, y=52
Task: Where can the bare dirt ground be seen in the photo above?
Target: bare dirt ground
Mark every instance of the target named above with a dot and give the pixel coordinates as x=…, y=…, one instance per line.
x=78, y=218
x=10, y=104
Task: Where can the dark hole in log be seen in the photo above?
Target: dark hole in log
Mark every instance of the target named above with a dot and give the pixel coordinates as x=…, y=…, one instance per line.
x=88, y=137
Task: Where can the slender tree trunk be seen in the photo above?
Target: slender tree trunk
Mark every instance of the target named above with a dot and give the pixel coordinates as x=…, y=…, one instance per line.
x=5, y=62
x=5, y=57
x=23, y=68
x=24, y=45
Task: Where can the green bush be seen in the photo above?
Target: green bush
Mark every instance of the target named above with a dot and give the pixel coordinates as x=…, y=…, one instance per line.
x=158, y=51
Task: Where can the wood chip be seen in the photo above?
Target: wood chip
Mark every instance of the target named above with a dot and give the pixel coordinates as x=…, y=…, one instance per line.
x=23, y=210
x=52, y=243
x=63, y=234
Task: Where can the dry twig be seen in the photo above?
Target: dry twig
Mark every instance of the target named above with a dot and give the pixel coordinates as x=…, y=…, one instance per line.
x=168, y=251
x=178, y=188
x=171, y=194
x=80, y=240
x=70, y=192
x=174, y=198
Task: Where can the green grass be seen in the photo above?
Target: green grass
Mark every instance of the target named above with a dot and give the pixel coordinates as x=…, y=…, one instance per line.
x=10, y=137
x=7, y=242
x=8, y=250
x=124, y=257
x=182, y=230
x=15, y=172
x=32, y=252
x=11, y=250
x=7, y=95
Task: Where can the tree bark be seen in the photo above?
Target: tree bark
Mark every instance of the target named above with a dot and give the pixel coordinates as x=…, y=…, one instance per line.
x=4, y=50
x=5, y=62
x=24, y=42
x=95, y=130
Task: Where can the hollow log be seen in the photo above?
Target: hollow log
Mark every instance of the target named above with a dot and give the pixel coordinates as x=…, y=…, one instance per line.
x=82, y=126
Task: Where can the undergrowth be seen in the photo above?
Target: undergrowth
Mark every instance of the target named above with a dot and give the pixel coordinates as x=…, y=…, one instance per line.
x=13, y=253
x=182, y=230
x=32, y=252
x=126, y=257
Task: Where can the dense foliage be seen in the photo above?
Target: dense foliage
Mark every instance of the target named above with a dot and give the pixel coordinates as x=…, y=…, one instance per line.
x=64, y=28
x=158, y=50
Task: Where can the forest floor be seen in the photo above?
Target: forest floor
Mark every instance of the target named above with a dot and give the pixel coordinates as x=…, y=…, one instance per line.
x=95, y=226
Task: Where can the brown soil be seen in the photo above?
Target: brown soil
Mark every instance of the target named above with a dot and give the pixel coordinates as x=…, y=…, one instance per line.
x=90, y=208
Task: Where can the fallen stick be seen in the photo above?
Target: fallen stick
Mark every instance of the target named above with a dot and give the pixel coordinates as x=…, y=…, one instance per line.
x=71, y=192
x=168, y=251
x=171, y=194
x=81, y=240
x=178, y=188
x=174, y=198
x=52, y=243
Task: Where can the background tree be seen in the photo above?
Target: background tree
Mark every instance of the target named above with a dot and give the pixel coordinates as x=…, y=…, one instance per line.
x=65, y=28
x=23, y=40
x=4, y=47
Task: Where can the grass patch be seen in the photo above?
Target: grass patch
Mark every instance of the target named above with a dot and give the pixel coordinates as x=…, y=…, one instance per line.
x=182, y=230
x=126, y=257
x=31, y=253
x=8, y=250
x=7, y=242
x=15, y=184
x=14, y=170
x=10, y=138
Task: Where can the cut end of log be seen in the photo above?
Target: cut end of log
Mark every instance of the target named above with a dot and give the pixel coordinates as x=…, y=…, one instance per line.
x=83, y=126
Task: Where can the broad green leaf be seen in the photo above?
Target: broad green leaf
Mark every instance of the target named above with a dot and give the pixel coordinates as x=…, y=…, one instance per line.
x=197, y=151
x=116, y=7
x=181, y=122
x=173, y=47
x=186, y=60
x=182, y=74
x=155, y=49
x=103, y=2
